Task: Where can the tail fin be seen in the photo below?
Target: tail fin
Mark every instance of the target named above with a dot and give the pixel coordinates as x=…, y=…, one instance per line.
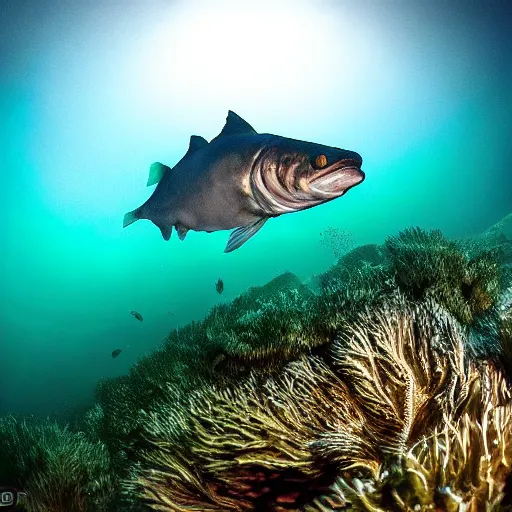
x=131, y=217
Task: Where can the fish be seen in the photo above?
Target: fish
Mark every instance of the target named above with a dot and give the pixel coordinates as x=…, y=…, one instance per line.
x=116, y=352
x=137, y=315
x=241, y=179
x=219, y=286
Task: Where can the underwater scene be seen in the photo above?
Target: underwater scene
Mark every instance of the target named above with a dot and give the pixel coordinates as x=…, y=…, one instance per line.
x=257, y=256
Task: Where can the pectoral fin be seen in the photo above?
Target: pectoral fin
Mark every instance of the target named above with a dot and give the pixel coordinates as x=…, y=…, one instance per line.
x=240, y=235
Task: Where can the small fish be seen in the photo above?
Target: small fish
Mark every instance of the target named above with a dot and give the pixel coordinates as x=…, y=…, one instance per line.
x=137, y=315
x=219, y=286
x=116, y=352
x=242, y=178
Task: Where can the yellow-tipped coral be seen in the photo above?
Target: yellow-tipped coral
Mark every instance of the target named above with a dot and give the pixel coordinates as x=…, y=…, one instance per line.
x=395, y=417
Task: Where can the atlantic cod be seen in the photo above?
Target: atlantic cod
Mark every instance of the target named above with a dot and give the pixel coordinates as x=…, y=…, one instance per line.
x=240, y=179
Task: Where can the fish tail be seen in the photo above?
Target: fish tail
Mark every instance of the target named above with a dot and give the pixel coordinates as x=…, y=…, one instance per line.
x=131, y=217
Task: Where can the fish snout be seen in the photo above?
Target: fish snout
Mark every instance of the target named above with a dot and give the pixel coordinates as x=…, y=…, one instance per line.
x=355, y=157
x=336, y=179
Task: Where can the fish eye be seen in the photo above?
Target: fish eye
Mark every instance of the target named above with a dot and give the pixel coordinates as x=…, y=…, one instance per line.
x=321, y=161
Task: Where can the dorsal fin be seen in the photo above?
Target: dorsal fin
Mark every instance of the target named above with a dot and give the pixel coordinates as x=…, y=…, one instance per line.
x=196, y=142
x=156, y=173
x=235, y=125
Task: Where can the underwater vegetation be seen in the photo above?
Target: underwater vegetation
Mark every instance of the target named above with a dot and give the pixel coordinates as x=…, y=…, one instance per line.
x=386, y=386
x=426, y=264
x=59, y=470
x=397, y=418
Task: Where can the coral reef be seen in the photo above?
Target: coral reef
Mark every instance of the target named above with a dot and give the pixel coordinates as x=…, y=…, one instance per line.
x=60, y=470
x=393, y=418
x=497, y=237
x=383, y=387
x=426, y=264
x=359, y=260
x=264, y=327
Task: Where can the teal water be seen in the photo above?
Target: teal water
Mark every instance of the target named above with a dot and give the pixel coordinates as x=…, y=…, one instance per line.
x=92, y=93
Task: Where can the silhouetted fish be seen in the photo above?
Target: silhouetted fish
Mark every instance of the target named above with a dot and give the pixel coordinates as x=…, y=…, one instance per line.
x=219, y=286
x=241, y=179
x=116, y=352
x=138, y=316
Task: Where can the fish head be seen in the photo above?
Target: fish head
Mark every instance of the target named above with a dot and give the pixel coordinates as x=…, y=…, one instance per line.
x=332, y=172
x=291, y=175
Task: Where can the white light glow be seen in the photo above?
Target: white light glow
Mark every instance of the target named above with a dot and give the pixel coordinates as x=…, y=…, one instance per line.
x=209, y=55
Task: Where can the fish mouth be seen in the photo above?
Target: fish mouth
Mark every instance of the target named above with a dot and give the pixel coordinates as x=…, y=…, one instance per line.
x=335, y=180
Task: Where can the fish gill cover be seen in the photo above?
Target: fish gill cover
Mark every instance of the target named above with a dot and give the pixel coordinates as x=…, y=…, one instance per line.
x=387, y=389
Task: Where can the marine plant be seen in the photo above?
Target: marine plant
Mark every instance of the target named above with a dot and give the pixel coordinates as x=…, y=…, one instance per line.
x=505, y=341
x=438, y=434
x=114, y=419
x=394, y=417
x=264, y=327
x=233, y=338
x=364, y=396
x=426, y=264
x=347, y=292
x=268, y=326
x=60, y=470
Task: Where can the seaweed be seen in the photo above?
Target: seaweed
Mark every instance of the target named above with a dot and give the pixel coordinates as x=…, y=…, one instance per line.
x=383, y=387
x=426, y=264
x=60, y=470
x=366, y=427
